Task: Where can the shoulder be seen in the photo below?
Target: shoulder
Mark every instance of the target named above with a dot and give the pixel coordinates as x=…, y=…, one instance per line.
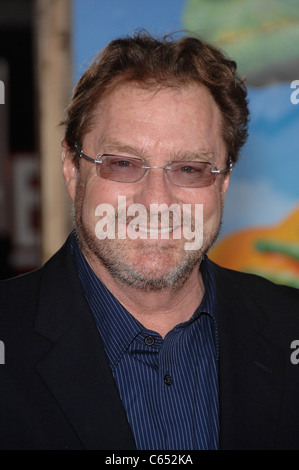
x=22, y=292
x=246, y=280
x=19, y=289
x=251, y=304
x=256, y=292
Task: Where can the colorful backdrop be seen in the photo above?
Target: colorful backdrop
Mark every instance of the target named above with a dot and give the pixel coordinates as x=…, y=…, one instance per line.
x=260, y=231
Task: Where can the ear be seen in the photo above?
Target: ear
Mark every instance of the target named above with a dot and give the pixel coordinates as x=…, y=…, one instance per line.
x=69, y=169
x=224, y=187
x=225, y=183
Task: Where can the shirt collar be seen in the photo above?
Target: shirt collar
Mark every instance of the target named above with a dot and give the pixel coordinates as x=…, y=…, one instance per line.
x=117, y=327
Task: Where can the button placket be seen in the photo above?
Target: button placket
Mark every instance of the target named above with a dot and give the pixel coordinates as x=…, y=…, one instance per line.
x=167, y=359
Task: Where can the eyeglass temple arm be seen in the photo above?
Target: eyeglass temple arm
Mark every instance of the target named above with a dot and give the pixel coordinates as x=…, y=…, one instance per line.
x=81, y=154
x=226, y=170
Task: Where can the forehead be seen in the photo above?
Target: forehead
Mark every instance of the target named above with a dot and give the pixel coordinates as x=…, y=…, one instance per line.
x=157, y=120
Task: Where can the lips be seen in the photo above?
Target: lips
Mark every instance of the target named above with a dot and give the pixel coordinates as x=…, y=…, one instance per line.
x=153, y=230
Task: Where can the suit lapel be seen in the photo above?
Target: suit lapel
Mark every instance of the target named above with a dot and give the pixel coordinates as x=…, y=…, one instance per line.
x=250, y=372
x=76, y=369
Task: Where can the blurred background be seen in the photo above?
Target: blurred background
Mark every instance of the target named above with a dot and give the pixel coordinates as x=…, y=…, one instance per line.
x=45, y=46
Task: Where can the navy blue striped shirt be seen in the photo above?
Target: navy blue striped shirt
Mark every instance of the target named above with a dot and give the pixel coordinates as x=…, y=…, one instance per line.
x=169, y=387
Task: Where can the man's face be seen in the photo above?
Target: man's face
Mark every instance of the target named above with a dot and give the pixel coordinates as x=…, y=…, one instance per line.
x=160, y=126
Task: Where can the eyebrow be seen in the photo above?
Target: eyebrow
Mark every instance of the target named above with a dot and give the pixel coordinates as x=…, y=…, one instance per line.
x=119, y=147
x=201, y=155
x=115, y=146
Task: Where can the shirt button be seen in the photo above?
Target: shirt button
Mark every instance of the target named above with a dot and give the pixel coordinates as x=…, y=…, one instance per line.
x=149, y=340
x=168, y=379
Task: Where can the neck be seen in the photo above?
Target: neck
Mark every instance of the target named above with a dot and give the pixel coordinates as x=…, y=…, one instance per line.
x=158, y=311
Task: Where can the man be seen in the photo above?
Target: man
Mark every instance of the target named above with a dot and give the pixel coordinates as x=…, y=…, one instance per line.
x=126, y=339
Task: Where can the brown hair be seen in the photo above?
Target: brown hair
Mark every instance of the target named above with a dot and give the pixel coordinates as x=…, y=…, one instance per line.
x=154, y=63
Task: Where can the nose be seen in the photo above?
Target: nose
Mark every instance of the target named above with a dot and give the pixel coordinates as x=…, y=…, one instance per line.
x=154, y=188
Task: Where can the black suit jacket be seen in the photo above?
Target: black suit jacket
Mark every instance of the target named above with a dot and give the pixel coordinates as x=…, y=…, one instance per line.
x=57, y=390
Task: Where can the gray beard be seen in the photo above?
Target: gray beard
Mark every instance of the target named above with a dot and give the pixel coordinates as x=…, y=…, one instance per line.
x=114, y=257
